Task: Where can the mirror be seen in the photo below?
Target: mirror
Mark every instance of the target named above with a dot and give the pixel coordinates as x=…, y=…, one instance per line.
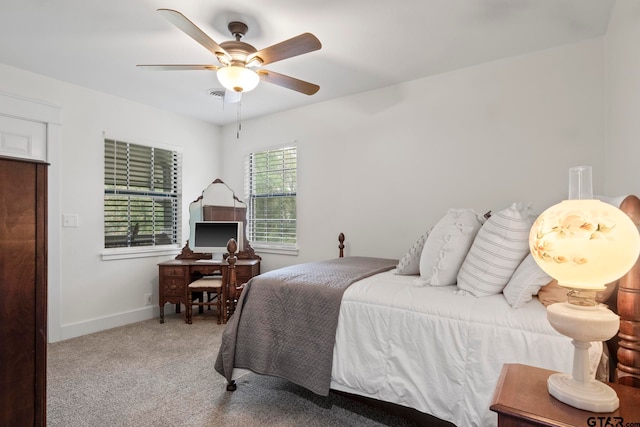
x=218, y=202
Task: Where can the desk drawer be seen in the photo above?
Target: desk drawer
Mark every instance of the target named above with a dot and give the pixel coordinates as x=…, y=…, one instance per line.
x=244, y=273
x=173, y=287
x=207, y=270
x=172, y=271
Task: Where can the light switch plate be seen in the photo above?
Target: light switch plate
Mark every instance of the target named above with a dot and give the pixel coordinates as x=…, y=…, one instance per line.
x=69, y=220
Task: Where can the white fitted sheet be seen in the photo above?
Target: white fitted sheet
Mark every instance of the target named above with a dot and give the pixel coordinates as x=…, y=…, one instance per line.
x=438, y=352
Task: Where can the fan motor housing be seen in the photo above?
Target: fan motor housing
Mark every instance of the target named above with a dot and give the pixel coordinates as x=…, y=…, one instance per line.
x=238, y=50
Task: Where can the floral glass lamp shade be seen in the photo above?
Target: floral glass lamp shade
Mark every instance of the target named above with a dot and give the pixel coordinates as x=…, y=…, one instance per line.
x=584, y=244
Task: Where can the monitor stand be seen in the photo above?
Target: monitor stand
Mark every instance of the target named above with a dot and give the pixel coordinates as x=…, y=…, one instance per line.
x=217, y=257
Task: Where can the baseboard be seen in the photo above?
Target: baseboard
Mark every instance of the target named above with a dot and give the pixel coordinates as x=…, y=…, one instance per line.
x=72, y=330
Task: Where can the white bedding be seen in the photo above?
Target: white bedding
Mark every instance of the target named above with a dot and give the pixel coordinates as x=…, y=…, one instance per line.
x=438, y=352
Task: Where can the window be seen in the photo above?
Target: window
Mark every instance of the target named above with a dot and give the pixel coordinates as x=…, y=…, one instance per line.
x=271, y=194
x=142, y=195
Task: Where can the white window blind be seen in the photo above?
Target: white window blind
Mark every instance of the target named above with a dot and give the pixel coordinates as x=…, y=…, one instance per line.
x=142, y=195
x=271, y=179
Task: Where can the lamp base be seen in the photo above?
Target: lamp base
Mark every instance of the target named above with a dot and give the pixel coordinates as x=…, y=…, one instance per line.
x=593, y=395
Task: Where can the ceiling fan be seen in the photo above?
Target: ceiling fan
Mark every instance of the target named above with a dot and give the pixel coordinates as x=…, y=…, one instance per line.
x=240, y=63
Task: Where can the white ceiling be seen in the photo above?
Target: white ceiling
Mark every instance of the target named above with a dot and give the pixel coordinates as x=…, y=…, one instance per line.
x=366, y=44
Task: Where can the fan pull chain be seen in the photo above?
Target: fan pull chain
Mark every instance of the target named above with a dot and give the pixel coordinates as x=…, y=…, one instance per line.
x=239, y=120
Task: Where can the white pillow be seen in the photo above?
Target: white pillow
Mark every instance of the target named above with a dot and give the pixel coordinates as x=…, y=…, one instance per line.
x=446, y=247
x=525, y=282
x=498, y=249
x=410, y=262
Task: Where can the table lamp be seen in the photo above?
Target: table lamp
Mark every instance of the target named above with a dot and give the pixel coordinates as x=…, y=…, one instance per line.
x=584, y=244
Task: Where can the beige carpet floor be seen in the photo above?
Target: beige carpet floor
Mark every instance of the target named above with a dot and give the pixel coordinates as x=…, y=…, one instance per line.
x=152, y=374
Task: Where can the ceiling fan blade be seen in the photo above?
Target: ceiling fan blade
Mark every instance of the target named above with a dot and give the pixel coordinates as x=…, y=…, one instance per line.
x=288, y=82
x=295, y=46
x=176, y=67
x=192, y=30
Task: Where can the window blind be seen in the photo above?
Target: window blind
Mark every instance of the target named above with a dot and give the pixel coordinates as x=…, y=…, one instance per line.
x=142, y=195
x=271, y=178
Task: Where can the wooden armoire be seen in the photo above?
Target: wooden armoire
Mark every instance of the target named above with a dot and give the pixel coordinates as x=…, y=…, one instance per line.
x=23, y=292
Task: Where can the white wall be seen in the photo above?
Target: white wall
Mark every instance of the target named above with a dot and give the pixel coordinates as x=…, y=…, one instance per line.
x=87, y=294
x=383, y=166
x=623, y=98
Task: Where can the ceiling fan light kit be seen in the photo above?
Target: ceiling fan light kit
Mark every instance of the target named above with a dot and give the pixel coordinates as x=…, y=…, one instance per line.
x=238, y=79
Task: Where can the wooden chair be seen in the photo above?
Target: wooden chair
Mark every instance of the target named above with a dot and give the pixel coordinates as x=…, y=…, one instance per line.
x=206, y=286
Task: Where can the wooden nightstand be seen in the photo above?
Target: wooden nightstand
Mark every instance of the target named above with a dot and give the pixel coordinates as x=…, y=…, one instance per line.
x=521, y=399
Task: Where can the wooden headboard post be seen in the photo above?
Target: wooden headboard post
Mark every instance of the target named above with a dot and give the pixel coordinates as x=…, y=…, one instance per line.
x=341, y=245
x=628, y=354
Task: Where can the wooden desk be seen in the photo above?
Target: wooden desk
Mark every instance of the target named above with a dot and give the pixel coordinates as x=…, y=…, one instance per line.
x=175, y=275
x=521, y=399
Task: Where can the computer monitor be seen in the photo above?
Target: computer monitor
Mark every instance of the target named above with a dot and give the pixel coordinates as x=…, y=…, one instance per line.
x=212, y=236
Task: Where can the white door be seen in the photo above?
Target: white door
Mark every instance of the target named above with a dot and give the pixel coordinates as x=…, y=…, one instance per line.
x=21, y=138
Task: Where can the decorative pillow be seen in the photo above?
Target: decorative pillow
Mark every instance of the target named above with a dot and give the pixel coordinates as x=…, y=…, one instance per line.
x=525, y=282
x=410, y=262
x=552, y=293
x=498, y=249
x=446, y=247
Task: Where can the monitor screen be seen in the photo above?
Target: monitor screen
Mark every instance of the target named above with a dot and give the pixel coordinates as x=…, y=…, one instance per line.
x=212, y=236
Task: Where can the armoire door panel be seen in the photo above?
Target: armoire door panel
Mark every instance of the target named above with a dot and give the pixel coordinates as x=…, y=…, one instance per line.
x=23, y=236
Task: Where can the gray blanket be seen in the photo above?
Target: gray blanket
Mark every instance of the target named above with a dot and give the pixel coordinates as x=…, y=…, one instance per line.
x=285, y=322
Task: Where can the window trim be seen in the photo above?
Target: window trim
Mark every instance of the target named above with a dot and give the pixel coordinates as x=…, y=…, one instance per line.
x=277, y=250
x=109, y=254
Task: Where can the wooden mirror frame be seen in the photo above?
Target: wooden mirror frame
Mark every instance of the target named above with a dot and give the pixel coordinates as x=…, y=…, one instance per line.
x=232, y=210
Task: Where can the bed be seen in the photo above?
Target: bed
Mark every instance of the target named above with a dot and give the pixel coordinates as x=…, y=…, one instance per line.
x=364, y=326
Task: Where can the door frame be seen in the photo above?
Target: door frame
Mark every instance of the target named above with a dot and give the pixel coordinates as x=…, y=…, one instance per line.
x=23, y=108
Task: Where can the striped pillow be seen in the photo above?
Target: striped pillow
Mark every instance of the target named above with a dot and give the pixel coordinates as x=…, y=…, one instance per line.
x=497, y=251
